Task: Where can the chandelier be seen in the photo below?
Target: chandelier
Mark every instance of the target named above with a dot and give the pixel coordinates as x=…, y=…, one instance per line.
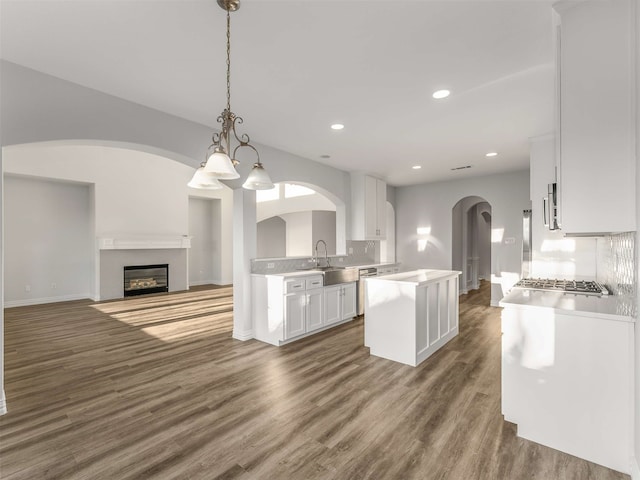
x=221, y=156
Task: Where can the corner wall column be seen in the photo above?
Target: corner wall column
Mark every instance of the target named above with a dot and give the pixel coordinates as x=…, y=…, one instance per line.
x=244, y=249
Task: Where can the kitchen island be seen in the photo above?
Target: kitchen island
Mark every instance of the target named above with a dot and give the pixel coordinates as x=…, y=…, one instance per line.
x=408, y=316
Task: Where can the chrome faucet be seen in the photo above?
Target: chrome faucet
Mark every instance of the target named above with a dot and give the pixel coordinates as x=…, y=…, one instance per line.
x=326, y=257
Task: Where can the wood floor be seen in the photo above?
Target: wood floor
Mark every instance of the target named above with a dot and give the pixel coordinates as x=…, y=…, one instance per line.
x=155, y=387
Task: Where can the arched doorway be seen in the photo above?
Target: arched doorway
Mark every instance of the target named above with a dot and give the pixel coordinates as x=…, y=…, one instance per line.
x=471, y=241
x=292, y=217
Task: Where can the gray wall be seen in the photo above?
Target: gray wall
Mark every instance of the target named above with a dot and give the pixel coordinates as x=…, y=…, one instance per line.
x=48, y=241
x=324, y=228
x=272, y=238
x=431, y=205
x=201, y=230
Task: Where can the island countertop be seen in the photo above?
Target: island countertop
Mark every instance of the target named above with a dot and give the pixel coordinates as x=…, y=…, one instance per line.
x=416, y=277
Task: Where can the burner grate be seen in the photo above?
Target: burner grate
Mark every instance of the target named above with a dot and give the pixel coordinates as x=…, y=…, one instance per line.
x=582, y=287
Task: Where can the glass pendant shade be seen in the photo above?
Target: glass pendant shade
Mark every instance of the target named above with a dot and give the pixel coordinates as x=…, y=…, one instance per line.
x=258, y=179
x=204, y=181
x=220, y=166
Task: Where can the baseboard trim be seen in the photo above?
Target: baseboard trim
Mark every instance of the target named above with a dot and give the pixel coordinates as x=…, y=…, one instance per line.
x=40, y=301
x=635, y=469
x=202, y=282
x=494, y=304
x=244, y=336
x=3, y=403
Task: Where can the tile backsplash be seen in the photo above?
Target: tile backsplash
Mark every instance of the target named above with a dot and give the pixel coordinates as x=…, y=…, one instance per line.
x=360, y=253
x=616, y=265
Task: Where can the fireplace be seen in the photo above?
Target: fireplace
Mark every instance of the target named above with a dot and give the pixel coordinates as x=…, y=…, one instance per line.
x=144, y=279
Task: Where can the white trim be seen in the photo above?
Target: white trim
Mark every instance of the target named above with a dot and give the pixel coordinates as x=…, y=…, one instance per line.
x=3, y=403
x=202, y=282
x=495, y=304
x=145, y=243
x=39, y=301
x=244, y=336
x=635, y=469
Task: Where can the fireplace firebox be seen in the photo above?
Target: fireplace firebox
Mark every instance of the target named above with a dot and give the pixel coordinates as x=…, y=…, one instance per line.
x=145, y=279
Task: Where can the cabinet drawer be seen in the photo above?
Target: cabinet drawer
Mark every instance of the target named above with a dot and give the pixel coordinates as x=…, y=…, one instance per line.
x=314, y=282
x=295, y=285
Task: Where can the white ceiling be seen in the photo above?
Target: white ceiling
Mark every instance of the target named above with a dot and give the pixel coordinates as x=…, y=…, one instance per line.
x=299, y=66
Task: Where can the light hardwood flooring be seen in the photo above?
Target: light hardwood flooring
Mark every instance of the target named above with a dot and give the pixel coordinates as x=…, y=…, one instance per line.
x=155, y=387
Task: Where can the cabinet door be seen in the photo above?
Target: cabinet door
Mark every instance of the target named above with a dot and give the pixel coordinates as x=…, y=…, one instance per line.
x=381, y=209
x=371, y=207
x=332, y=304
x=348, y=301
x=315, y=307
x=294, y=315
x=597, y=129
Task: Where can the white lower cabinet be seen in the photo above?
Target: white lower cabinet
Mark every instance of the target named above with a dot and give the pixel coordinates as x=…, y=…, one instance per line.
x=285, y=308
x=294, y=314
x=314, y=309
x=567, y=382
x=339, y=302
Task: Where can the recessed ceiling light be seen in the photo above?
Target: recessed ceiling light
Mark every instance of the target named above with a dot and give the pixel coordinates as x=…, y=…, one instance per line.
x=337, y=126
x=325, y=156
x=491, y=154
x=417, y=167
x=441, y=94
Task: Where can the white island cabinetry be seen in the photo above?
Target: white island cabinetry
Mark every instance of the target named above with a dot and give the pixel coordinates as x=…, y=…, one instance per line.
x=409, y=316
x=287, y=307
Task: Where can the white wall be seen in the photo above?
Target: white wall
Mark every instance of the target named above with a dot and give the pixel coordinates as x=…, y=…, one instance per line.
x=125, y=202
x=272, y=238
x=202, y=232
x=3, y=399
x=299, y=233
x=48, y=241
x=430, y=206
x=637, y=326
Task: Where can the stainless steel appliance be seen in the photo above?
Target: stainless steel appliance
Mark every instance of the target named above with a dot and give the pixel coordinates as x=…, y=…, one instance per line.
x=579, y=287
x=526, y=243
x=550, y=207
x=362, y=274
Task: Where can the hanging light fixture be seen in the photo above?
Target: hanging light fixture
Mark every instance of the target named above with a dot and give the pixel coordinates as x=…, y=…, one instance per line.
x=204, y=180
x=221, y=159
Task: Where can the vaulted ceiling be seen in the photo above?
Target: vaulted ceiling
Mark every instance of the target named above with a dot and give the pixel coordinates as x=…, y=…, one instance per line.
x=300, y=66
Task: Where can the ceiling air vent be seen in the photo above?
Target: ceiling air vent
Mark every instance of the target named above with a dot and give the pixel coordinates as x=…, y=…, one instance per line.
x=461, y=168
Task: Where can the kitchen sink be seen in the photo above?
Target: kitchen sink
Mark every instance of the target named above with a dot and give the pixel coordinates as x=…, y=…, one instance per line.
x=335, y=275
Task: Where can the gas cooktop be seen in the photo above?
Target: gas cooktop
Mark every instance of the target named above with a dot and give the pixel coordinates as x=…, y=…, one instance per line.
x=567, y=286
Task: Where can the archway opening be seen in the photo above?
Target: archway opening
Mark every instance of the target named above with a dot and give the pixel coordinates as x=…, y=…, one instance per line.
x=293, y=217
x=471, y=244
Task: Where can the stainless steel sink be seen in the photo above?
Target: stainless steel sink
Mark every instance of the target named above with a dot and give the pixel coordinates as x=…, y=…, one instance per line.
x=335, y=275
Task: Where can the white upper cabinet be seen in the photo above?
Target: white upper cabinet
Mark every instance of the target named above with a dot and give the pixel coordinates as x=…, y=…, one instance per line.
x=368, y=203
x=596, y=76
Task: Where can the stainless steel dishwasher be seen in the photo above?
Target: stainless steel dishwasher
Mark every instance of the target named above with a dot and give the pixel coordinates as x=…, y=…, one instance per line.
x=362, y=274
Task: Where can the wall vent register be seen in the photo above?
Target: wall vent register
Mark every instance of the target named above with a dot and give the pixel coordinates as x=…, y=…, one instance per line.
x=566, y=286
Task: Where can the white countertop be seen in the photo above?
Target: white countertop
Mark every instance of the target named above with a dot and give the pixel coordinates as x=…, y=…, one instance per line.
x=610, y=307
x=303, y=273
x=415, y=277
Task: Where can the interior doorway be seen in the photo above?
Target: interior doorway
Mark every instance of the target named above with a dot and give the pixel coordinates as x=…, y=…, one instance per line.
x=471, y=241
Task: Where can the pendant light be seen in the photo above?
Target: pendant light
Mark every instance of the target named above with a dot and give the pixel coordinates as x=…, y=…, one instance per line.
x=204, y=181
x=221, y=159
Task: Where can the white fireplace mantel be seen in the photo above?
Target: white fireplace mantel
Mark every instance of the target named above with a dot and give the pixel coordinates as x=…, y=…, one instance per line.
x=143, y=243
